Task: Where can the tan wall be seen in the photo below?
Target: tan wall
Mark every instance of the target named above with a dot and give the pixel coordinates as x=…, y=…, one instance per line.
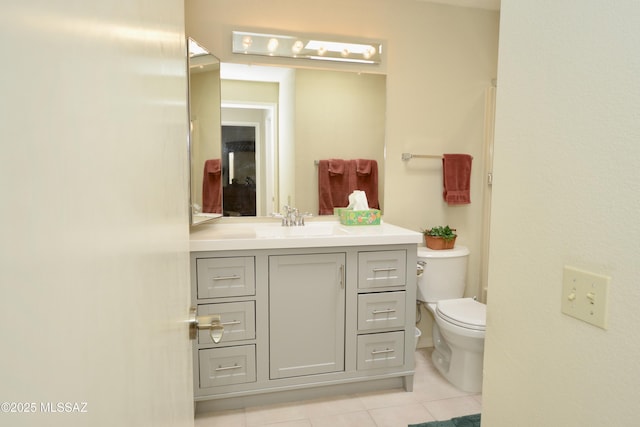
x=439, y=61
x=566, y=193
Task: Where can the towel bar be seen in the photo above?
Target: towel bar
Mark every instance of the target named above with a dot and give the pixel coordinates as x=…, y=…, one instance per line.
x=409, y=156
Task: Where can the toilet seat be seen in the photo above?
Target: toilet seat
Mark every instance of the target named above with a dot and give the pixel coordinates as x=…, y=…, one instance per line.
x=463, y=312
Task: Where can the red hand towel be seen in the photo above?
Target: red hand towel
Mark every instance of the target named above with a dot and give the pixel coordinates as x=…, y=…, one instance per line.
x=363, y=166
x=212, y=187
x=456, y=177
x=336, y=166
x=366, y=179
x=333, y=185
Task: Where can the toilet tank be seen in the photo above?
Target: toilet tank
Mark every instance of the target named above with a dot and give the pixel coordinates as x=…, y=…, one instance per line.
x=444, y=273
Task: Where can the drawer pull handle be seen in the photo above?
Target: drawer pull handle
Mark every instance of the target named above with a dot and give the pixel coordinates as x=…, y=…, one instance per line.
x=388, y=350
x=231, y=277
x=388, y=310
x=226, y=368
x=342, y=276
x=233, y=322
x=378, y=270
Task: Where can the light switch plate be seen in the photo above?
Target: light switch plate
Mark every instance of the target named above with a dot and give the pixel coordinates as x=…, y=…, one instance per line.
x=585, y=296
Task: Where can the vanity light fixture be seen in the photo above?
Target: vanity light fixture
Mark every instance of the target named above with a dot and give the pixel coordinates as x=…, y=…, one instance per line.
x=250, y=43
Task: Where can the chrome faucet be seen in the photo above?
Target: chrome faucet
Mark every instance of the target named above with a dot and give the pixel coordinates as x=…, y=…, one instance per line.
x=291, y=217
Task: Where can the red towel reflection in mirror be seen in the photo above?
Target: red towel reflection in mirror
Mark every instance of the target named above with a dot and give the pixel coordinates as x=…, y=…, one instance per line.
x=337, y=178
x=212, y=187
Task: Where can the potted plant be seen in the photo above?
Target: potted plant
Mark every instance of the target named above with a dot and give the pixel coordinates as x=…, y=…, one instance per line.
x=440, y=237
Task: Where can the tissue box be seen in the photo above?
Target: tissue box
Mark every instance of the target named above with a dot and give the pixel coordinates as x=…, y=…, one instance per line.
x=351, y=217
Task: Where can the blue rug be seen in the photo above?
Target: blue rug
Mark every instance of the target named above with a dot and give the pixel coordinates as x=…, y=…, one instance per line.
x=466, y=421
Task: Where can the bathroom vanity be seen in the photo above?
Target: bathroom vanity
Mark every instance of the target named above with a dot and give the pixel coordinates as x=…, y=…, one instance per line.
x=301, y=312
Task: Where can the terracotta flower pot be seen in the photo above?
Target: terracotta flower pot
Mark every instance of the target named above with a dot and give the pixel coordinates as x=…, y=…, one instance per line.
x=438, y=243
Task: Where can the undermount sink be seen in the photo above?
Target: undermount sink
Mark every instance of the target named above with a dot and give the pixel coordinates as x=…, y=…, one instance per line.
x=308, y=230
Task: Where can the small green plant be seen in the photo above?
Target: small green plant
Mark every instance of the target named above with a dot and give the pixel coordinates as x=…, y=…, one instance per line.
x=446, y=233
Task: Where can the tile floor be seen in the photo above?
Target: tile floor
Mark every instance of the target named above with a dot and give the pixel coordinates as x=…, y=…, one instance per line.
x=433, y=398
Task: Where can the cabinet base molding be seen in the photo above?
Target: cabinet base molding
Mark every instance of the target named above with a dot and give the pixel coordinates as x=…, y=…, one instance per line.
x=270, y=396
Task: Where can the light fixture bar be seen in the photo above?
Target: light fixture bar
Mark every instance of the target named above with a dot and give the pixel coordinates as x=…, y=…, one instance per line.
x=325, y=58
x=251, y=43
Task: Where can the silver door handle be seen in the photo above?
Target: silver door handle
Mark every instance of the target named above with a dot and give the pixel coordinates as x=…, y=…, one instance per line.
x=211, y=322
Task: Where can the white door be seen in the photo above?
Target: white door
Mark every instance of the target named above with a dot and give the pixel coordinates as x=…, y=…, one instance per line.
x=94, y=290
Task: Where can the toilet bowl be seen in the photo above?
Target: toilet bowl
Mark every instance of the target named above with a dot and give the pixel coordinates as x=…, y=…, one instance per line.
x=458, y=338
x=459, y=323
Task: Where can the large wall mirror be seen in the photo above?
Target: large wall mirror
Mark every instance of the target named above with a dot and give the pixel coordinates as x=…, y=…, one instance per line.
x=274, y=124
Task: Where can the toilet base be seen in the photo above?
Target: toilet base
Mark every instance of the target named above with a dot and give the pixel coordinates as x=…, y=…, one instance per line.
x=466, y=381
x=461, y=367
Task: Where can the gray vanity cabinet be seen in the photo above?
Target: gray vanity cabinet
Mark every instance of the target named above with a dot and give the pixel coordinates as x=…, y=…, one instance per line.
x=303, y=322
x=306, y=314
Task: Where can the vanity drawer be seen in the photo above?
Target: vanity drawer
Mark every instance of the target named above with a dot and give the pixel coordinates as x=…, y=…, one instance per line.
x=237, y=318
x=381, y=310
x=380, y=350
x=381, y=269
x=225, y=277
x=229, y=365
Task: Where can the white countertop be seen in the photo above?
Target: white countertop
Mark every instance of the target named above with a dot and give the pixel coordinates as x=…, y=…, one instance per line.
x=269, y=234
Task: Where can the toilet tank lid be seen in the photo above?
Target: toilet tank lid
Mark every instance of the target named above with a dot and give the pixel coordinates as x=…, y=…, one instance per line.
x=458, y=251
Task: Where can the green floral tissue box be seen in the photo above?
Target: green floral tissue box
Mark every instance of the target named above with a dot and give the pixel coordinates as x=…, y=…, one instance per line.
x=351, y=217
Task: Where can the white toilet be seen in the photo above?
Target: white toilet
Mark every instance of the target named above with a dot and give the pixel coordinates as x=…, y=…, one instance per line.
x=459, y=327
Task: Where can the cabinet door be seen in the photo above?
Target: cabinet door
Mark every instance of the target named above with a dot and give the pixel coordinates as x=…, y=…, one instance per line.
x=306, y=314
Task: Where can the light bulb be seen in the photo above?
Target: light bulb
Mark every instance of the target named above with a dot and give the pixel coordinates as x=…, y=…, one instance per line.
x=297, y=47
x=369, y=52
x=246, y=42
x=272, y=45
x=322, y=50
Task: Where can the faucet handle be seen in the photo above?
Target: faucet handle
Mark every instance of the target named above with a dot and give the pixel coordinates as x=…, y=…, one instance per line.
x=305, y=215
